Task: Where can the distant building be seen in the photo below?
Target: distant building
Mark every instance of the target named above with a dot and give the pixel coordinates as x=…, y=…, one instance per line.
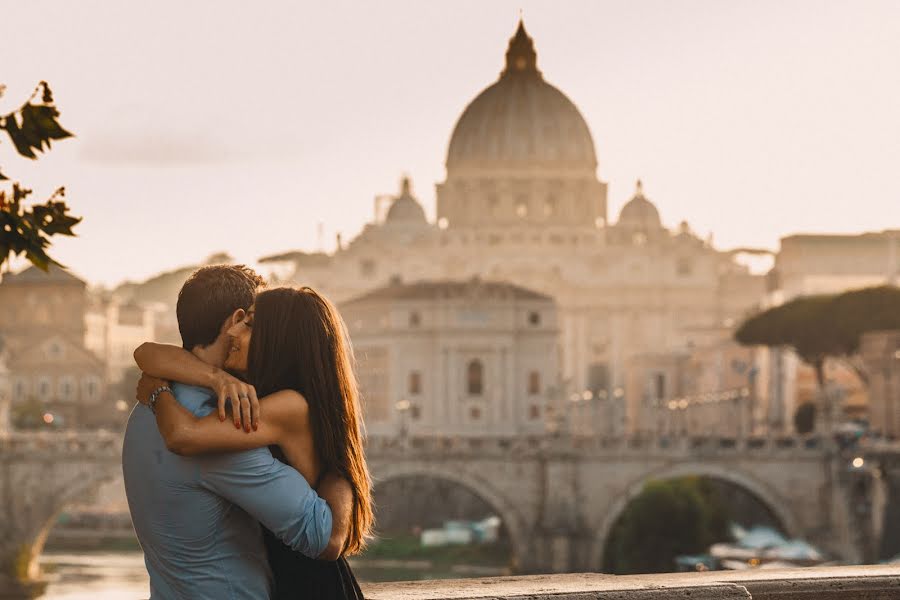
x=830, y=263
x=826, y=264
x=114, y=330
x=35, y=304
x=5, y=390
x=522, y=204
x=881, y=352
x=456, y=357
x=63, y=379
x=50, y=369
x=714, y=386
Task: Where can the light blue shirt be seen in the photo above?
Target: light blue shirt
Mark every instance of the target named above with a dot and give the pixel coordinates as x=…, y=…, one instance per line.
x=198, y=517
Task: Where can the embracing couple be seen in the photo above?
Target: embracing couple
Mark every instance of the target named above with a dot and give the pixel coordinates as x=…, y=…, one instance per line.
x=265, y=502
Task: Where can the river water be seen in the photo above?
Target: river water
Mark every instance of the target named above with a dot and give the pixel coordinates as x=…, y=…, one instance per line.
x=121, y=575
x=95, y=576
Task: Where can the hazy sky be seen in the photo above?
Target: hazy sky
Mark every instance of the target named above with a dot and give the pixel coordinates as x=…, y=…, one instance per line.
x=207, y=126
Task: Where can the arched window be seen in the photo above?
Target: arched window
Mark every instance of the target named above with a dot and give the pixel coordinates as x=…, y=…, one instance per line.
x=20, y=389
x=66, y=387
x=475, y=378
x=415, y=383
x=44, y=386
x=534, y=383
x=91, y=387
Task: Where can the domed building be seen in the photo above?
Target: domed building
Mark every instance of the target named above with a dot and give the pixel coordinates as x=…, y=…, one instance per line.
x=522, y=204
x=521, y=154
x=639, y=220
x=405, y=210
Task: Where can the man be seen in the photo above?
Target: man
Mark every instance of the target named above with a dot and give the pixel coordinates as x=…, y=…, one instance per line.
x=197, y=518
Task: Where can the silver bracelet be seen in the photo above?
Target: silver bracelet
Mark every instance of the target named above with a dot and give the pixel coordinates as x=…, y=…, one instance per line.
x=154, y=396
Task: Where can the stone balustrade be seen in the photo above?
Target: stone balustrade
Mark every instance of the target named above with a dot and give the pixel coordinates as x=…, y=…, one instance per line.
x=595, y=445
x=95, y=444
x=104, y=442
x=876, y=582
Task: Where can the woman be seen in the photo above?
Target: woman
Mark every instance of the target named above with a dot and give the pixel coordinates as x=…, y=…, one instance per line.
x=293, y=348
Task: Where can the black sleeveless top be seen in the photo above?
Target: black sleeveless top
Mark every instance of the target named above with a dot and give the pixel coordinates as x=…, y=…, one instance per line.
x=298, y=577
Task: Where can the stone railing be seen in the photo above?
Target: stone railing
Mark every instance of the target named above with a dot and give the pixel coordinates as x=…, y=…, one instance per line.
x=877, y=582
x=525, y=445
x=96, y=444
x=496, y=446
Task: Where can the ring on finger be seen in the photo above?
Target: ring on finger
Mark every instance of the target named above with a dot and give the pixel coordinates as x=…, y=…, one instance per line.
x=242, y=396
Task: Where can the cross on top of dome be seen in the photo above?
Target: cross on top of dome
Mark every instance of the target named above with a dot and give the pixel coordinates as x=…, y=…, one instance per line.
x=521, y=58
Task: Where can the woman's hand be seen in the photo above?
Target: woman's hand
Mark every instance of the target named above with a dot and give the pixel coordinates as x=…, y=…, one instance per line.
x=146, y=386
x=241, y=396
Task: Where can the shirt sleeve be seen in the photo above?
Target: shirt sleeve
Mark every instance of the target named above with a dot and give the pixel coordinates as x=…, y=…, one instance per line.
x=274, y=494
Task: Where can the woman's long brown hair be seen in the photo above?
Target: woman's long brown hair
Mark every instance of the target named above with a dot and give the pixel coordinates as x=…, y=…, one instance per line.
x=300, y=342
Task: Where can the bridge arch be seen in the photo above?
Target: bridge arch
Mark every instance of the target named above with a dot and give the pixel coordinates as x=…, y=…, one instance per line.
x=46, y=514
x=516, y=524
x=779, y=507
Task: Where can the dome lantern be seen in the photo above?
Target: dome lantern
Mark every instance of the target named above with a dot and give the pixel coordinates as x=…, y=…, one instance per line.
x=521, y=59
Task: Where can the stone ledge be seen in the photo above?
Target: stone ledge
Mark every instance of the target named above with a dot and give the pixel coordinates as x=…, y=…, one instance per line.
x=876, y=582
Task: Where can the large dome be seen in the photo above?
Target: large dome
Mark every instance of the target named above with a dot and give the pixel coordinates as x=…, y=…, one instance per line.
x=521, y=121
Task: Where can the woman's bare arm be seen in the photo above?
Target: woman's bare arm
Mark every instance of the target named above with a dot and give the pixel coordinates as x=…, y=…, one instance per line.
x=177, y=364
x=174, y=363
x=187, y=434
x=287, y=413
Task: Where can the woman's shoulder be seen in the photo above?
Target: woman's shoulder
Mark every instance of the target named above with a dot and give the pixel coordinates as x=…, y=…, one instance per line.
x=288, y=405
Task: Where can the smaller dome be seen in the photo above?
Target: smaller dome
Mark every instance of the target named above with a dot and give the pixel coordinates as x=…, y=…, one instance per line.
x=640, y=213
x=406, y=209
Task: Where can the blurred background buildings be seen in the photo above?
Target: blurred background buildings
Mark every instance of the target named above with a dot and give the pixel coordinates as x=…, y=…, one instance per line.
x=522, y=314
x=523, y=306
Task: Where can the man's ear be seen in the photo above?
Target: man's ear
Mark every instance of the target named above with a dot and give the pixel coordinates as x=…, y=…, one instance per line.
x=233, y=319
x=237, y=316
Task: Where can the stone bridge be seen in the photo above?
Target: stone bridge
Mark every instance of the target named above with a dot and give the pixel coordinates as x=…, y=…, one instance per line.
x=39, y=475
x=558, y=496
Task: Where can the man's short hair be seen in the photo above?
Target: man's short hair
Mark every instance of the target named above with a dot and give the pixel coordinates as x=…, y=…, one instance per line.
x=209, y=296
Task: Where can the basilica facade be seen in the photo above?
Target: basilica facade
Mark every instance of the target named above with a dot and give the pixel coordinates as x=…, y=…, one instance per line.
x=522, y=204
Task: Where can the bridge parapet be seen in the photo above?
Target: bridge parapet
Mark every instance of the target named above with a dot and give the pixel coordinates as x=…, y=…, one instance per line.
x=532, y=446
x=73, y=444
x=105, y=442
x=820, y=583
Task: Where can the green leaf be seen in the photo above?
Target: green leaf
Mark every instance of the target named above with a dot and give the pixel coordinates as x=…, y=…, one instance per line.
x=52, y=218
x=32, y=130
x=28, y=231
x=18, y=138
x=45, y=117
